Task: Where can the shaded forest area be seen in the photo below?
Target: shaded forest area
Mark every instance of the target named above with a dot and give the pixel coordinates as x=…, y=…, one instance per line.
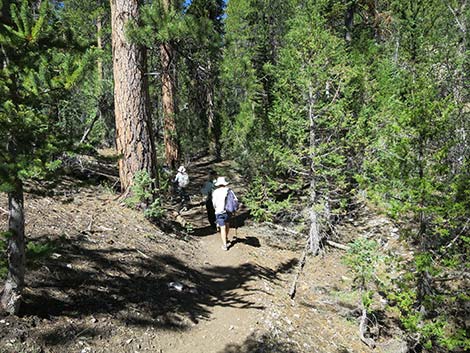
x=321, y=106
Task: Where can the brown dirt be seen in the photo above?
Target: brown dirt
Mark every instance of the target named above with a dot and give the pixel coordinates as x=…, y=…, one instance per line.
x=107, y=284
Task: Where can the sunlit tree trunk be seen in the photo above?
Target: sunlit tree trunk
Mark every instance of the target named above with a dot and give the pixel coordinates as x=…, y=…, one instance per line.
x=133, y=123
x=170, y=137
x=314, y=232
x=12, y=292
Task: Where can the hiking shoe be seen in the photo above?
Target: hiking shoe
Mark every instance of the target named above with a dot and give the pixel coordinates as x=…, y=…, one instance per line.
x=224, y=247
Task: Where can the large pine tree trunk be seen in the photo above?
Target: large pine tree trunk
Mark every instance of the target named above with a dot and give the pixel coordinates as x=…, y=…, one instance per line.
x=12, y=292
x=131, y=102
x=170, y=138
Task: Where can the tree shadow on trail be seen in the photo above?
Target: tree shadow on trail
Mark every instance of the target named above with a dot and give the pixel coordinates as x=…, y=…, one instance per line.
x=261, y=344
x=250, y=241
x=158, y=291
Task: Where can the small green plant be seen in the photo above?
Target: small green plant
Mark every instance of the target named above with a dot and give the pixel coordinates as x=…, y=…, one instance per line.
x=143, y=196
x=37, y=251
x=141, y=190
x=189, y=228
x=155, y=210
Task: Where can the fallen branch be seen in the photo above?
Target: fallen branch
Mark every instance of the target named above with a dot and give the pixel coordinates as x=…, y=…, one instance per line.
x=109, y=176
x=90, y=127
x=144, y=255
x=337, y=245
x=287, y=230
x=293, y=287
x=284, y=229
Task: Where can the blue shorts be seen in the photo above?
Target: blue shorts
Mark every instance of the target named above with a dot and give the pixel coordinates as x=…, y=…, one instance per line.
x=222, y=218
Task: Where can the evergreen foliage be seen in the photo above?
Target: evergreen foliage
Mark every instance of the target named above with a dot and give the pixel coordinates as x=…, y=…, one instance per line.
x=34, y=81
x=317, y=101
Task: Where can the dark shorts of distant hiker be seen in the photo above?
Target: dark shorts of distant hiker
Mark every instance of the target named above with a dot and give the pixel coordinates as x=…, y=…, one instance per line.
x=222, y=218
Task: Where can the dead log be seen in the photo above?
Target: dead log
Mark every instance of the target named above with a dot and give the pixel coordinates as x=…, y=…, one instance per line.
x=337, y=245
x=287, y=230
x=284, y=229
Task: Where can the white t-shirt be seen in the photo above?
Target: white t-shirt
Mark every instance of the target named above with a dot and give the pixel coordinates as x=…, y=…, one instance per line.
x=218, y=199
x=182, y=179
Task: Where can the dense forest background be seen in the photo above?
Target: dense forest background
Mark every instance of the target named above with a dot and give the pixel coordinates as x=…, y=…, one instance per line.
x=321, y=103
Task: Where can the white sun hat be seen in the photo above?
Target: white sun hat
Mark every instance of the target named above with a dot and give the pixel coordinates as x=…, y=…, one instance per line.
x=181, y=169
x=221, y=182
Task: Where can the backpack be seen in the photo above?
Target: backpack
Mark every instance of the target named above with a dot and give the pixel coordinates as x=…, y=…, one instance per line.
x=231, y=202
x=183, y=180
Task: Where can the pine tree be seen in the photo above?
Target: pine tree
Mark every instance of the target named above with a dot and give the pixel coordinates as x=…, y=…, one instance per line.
x=134, y=133
x=36, y=75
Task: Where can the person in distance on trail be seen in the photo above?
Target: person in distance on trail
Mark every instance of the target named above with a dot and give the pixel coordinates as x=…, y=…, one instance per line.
x=207, y=190
x=180, y=183
x=222, y=216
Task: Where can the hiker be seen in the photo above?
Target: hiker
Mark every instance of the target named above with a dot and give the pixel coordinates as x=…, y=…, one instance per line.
x=180, y=182
x=222, y=215
x=207, y=190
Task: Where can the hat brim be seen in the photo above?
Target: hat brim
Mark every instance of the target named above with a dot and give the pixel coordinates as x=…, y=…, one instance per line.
x=221, y=184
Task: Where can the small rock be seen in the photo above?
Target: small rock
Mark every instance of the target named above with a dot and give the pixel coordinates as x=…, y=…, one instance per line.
x=176, y=286
x=69, y=266
x=231, y=328
x=2, y=321
x=129, y=340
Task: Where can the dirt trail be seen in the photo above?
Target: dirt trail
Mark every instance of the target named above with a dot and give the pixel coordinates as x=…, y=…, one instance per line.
x=104, y=279
x=236, y=314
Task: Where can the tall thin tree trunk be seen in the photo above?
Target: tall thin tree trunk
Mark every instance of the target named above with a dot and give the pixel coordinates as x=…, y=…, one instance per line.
x=212, y=122
x=461, y=148
x=349, y=20
x=314, y=232
x=99, y=69
x=99, y=44
x=12, y=292
x=134, y=138
x=170, y=137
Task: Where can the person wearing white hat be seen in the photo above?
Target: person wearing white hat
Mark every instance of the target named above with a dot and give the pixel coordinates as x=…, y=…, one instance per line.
x=180, y=182
x=222, y=217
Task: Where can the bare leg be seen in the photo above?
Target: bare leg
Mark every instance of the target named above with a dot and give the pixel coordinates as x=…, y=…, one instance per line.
x=223, y=236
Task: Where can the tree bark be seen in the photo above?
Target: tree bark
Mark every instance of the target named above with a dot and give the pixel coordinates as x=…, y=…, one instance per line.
x=314, y=232
x=170, y=138
x=212, y=119
x=12, y=292
x=134, y=138
x=349, y=20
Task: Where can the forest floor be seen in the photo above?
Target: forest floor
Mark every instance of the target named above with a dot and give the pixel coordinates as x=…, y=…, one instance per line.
x=102, y=278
